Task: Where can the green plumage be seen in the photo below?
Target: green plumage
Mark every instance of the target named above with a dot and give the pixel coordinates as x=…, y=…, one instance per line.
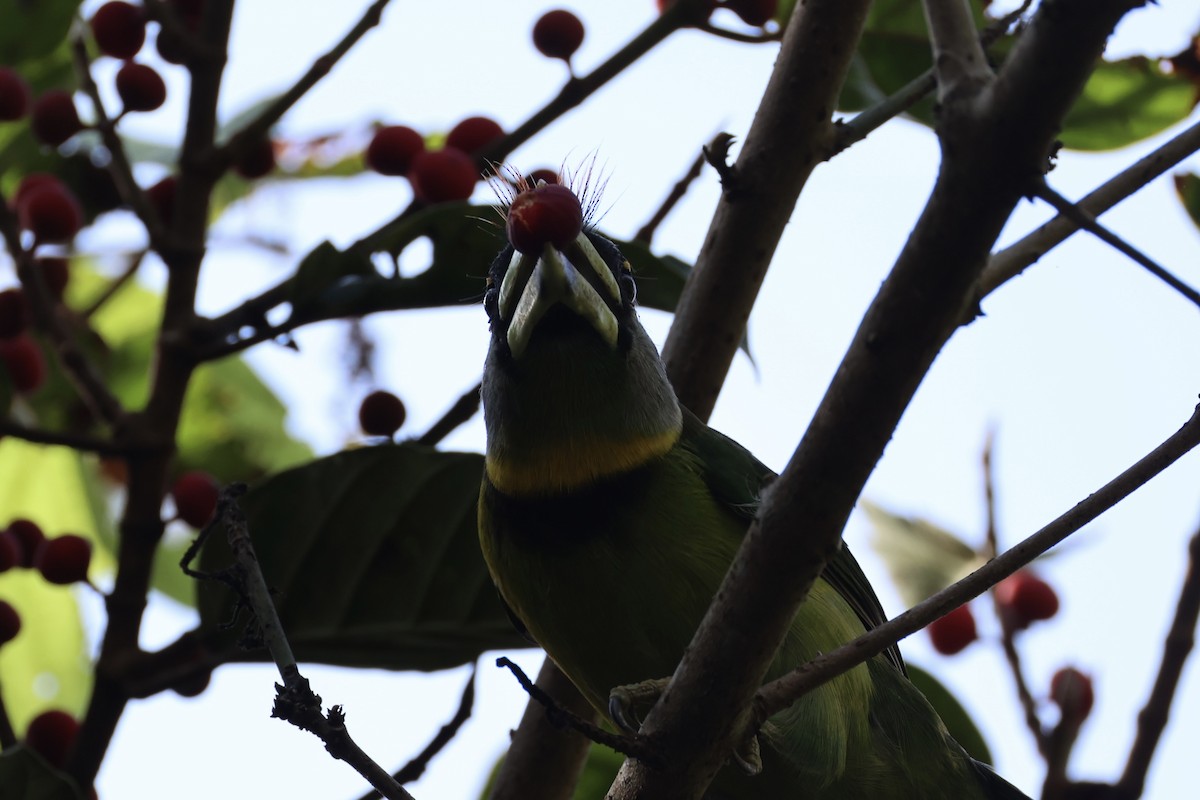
x=612, y=572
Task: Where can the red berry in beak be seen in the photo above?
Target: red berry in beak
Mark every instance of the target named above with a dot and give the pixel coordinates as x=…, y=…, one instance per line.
x=545, y=214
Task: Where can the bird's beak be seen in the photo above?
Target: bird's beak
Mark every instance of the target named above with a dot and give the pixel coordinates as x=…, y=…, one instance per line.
x=575, y=276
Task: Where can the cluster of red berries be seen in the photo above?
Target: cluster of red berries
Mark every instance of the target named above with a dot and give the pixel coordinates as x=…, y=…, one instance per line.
x=1021, y=599
x=381, y=414
x=436, y=176
x=20, y=355
x=62, y=560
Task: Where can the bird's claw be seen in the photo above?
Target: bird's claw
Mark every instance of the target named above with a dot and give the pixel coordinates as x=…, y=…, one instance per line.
x=627, y=704
x=748, y=756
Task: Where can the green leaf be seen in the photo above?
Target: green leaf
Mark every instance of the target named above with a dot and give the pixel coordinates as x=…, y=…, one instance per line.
x=1188, y=187
x=323, y=267
x=922, y=558
x=1124, y=102
x=26, y=776
x=465, y=240
x=232, y=425
x=47, y=665
x=373, y=556
x=957, y=720
x=33, y=29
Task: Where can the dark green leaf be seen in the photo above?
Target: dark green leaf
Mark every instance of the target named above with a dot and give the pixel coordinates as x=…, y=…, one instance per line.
x=374, y=558
x=33, y=29
x=465, y=240
x=1126, y=101
x=25, y=776
x=957, y=720
x=324, y=267
x=1188, y=187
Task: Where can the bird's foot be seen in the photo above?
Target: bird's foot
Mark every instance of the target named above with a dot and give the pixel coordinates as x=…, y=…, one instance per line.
x=629, y=704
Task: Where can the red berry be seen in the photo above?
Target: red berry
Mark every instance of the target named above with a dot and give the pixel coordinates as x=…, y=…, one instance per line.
x=64, y=559
x=381, y=414
x=14, y=313
x=544, y=214
x=35, y=180
x=170, y=47
x=195, y=495
x=30, y=537
x=190, y=12
x=1024, y=598
x=547, y=175
x=754, y=12
x=141, y=88
x=558, y=34
x=52, y=212
x=1072, y=692
x=25, y=364
x=473, y=133
x=258, y=161
x=119, y=29
x=54, y=118
x=55, y=272
x=14, y=95
x=393, y=148
x=162, y=196
x=51, y=735
x=952, y=633
x=441, y=175
x=10, y=622
x=11, y=551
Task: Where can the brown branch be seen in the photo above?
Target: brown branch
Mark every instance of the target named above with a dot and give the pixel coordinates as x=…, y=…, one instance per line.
x=78, y=368
x=958, y=58
x=254, y=130
x=545, y=760
x=678, y=192
x=1088, y=223
x=986, y=169
x=141, y=525
x=80, y=442
x=416, y=767
x=295, y=702
x=8, y=737
x=632, y=746
x=737, y=36
x=781, y=693
x=463, y=409
x=1152, y=719
x=1012, y=260
x=114, y=286
x=119, y=166
x=788, y=138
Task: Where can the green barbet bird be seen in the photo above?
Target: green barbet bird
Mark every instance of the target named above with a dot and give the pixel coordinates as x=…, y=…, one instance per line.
x=609, y=515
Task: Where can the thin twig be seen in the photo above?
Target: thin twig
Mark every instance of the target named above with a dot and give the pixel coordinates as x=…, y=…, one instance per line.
x=781, y=693
x=1152, y=719
x=738, y=36
x=77, y=367
x=958, y=58
x=295, y=702
x=634, y=746
x=75, y=441
x=1088, y=223
x=463, y=409
x=254, y=130
x=1007, y=630
x=8, y=737
x=114, y=286
x=678, y=192
x=119, y=165
x=416, y=767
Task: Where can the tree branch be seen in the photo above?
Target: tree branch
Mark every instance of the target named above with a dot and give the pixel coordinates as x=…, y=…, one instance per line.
x=782, y=692
x=789, y=136
x=1012, y=260
x=987, y=167
x=958, y=59
x=463, y=409
x=254, y=130
x=1180, y=639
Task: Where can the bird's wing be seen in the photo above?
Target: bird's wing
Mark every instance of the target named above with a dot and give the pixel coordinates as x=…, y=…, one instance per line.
x=737, y=479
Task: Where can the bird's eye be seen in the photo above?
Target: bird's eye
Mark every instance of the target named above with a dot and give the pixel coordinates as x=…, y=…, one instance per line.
x=491, y=300
x=628, y=286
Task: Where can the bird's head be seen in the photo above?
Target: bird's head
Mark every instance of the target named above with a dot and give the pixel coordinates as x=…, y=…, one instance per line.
x=573, y=388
